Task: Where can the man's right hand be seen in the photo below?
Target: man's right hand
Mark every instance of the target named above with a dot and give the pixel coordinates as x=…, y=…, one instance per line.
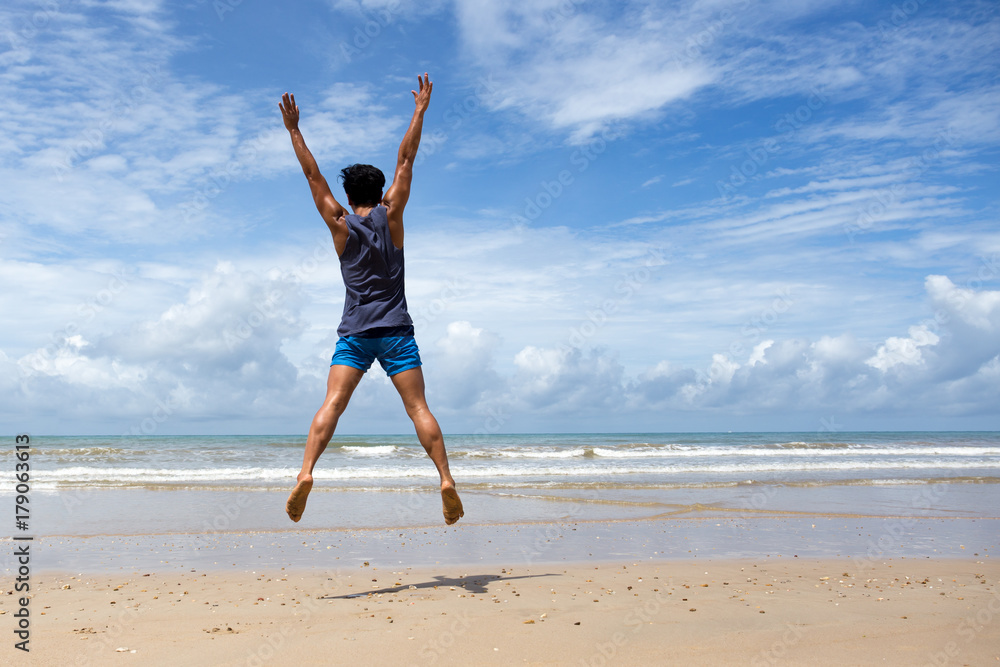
x=423, y=98
x=290, y=112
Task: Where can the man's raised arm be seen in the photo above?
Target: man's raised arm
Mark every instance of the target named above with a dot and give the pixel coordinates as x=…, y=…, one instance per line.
x=399, y=193
x=331, y=210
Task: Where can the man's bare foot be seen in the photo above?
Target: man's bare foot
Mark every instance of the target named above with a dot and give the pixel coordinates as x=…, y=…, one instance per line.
x=296, y=503
x=452, y=505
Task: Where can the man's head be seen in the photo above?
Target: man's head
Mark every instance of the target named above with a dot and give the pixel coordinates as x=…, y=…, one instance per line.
x=363, y=184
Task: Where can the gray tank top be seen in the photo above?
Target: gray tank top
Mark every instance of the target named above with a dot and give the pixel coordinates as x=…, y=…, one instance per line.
x=372, y=267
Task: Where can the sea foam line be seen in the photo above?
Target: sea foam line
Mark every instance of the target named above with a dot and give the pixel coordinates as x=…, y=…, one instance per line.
x=144, y=476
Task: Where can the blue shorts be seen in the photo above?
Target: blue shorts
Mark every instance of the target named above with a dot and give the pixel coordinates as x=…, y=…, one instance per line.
x=395, y=353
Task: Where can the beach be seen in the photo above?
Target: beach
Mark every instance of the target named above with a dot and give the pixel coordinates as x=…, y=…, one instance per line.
x=577, y=550
x=760, y=611
x=690, y=591
x=686, y=317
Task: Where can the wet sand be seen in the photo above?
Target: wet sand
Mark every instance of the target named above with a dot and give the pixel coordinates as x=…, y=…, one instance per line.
x=712, y=591
x=860, y=540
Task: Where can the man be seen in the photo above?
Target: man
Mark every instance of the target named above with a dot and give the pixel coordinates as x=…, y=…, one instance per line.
x=375, y=324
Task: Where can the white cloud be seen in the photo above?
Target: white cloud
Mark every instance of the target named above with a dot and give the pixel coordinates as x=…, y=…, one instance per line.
x=903, y=351
x=834, y=375
x=980, y=310
x=757, y=356
x=113, y=142
x=592, y=72
x=222, y=351
x=565, y=380
x=170, y=166
x=969, y=321
x=599, y=68
x=463, y=373
x=218, y=354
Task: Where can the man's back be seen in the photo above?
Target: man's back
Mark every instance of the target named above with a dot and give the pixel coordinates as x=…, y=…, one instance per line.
x=373, y=271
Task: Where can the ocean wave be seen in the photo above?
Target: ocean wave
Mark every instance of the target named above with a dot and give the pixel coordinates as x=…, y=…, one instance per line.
x=512, y=453
x=369, y=450
x=221, y=454
x=645, y=453
x=420, y=483
x=129, y=476
x=813, y=445
x=769, y=452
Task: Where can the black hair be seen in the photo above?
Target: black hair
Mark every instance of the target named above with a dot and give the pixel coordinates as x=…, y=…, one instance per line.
x=363, y=184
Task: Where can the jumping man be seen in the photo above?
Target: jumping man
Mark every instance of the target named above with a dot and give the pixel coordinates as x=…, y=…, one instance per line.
x=375, y=324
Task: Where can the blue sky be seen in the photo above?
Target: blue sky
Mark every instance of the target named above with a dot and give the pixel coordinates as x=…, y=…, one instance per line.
x=626, y=216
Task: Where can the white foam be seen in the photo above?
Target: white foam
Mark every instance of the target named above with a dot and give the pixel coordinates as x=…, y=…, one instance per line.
x=250, y=475
x=644, y=453
x=377, y=450
x=756, y=452
x=533, y=453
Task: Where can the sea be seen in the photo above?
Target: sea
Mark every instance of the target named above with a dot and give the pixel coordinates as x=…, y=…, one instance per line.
x=95, y=485
x=211, y=501
x=635, y=461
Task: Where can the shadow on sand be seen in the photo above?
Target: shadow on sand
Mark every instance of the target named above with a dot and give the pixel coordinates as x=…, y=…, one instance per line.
x=472, y=583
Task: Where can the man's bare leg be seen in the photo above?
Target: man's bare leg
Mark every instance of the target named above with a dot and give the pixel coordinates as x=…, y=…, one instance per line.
x=340, y=385
x=410, y=385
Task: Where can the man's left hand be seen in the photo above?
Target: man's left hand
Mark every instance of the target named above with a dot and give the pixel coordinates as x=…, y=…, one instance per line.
x=289, y=112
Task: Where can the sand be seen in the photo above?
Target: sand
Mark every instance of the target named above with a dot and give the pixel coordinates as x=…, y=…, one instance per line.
x=902, y=611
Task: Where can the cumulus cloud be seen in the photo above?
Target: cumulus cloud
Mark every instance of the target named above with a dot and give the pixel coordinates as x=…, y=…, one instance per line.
x=565, y=379
x=959, y=344
x=216, y=356
x=969, y=322
x=834, y=374
x=464, y=364
x=979, y=310
x=903, y=351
